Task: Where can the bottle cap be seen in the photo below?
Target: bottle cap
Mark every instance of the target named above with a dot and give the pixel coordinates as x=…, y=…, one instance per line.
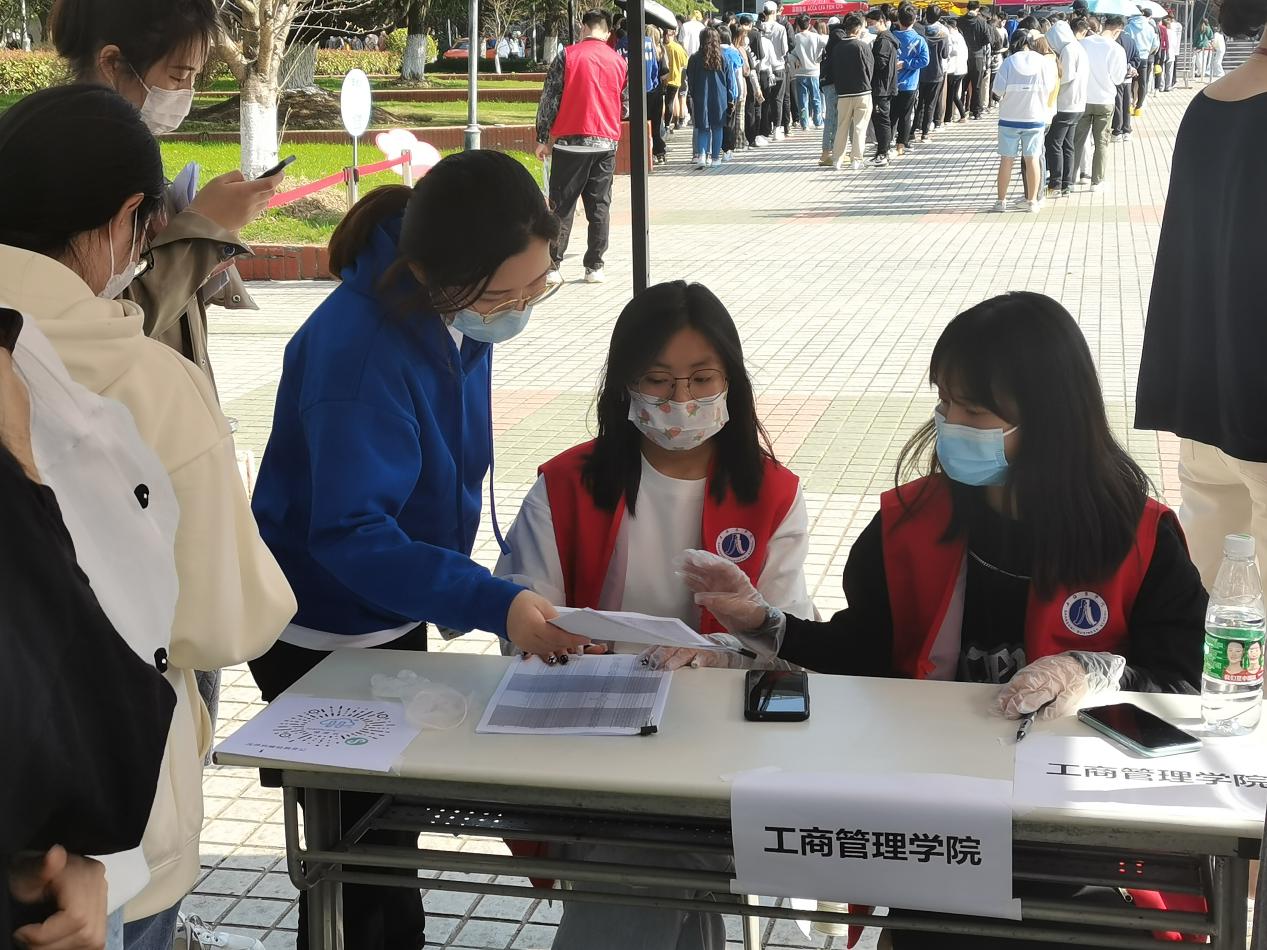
x=1238, y=545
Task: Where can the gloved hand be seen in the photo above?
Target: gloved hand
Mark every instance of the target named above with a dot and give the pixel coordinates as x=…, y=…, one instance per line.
x=723, y=590
x=674, y=658
x=1065, y=678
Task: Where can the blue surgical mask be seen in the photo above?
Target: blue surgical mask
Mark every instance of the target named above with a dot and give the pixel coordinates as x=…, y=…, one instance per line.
x=502, y=328
x=972, y=456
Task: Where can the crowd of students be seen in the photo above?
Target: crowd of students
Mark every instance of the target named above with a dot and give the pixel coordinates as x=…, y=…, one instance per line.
x=132, y=557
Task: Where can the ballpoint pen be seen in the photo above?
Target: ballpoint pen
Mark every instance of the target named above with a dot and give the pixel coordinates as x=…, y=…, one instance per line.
x=1028, y=720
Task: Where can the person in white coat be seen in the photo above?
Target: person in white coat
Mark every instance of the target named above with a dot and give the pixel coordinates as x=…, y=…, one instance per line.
x=69, y=245
x=680, y=459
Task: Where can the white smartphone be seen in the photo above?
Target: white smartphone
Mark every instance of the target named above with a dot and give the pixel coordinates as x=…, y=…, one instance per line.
x=1138, y=730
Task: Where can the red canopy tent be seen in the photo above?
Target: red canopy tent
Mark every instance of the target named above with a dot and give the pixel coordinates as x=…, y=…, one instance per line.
x=824, y=8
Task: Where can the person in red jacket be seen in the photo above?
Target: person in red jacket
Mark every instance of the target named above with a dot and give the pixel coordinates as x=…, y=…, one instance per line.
x=584, y=98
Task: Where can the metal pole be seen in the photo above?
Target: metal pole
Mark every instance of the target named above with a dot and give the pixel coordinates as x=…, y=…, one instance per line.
x=407, y=171
x=471, y=140
x=636, y=28
x=325, y=898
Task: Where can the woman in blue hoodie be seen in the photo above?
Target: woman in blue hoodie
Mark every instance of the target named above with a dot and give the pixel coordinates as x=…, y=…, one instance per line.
x=371, y=489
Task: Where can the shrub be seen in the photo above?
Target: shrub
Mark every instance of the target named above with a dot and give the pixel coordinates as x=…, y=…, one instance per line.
x=337, y=62
x=22, y=73
x=397, y=41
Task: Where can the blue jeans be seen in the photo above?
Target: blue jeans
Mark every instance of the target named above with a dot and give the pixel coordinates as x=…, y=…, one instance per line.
x=114, y=930
x=829, y=121
x=807, y=95
x=708, y=142
x=152, y=933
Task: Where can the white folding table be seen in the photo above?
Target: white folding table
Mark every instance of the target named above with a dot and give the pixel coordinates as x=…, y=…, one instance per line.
x=670, y=791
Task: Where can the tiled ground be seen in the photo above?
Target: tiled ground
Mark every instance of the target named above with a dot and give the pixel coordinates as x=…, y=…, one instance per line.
x=840, y=284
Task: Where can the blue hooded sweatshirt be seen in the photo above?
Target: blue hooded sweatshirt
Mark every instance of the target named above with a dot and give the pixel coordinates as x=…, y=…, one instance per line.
x=371, y=489
x=913, y=52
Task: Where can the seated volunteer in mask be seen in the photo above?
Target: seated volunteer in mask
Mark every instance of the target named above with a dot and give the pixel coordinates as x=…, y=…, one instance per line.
x=70, y=244
x=1030, y=554
x=681, y=460
x=371, y=489
x=150, y=52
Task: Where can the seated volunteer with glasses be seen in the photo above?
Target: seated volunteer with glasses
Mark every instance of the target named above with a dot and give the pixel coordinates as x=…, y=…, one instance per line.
x=681, y=460
x=1030, y=554
x=371, y=489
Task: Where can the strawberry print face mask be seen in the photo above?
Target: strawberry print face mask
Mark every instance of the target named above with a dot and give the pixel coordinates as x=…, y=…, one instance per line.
x=678, y=426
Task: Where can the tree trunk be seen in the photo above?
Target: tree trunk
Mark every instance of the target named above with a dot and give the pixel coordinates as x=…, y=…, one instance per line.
x=414, y=64
x=299, y=68
x=551, y=49
x=259, y=125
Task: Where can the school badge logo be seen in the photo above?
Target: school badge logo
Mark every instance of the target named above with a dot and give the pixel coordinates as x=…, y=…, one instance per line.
x=1085, y=613
x=736, y=544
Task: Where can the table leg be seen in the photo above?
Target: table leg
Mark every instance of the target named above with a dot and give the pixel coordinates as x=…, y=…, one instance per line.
x=1259, y=939
x=1231, y=902
x=752, y=925
x=325, y=898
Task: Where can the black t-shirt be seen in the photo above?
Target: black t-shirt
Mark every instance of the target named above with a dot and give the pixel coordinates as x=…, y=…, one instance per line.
x=83, y=720
x=1201, y=372
x=1167, y=622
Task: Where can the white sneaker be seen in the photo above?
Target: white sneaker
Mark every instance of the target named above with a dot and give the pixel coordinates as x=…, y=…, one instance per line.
x=1097, y=185
x=779, y=134
x=554, y=278
x=1021, y=203
x=858, y=165
x=999, y=206
x=193, y=934
x=595, y=276
x=760, y=141
x=1035, y=207
x=701, y=162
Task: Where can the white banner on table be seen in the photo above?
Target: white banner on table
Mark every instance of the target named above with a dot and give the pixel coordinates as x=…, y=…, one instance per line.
x=369, y=735
x=920, y=842
x=1087, y=771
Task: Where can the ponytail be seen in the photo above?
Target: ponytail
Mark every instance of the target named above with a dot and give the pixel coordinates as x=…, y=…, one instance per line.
x=353, y=233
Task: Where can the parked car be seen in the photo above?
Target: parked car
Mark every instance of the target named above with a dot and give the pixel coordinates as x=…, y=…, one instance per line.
x=462, y=50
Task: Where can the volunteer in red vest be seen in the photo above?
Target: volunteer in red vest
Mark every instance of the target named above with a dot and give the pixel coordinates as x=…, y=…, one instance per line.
x=1029, y=554
x=681, y=461
x=582, y=103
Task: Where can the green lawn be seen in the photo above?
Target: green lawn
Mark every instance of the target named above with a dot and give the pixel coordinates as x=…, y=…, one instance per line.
x=384, y=86
x=289, y=225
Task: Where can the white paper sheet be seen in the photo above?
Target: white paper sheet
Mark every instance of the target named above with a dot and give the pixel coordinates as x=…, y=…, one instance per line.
x=625, y=627
x=590, y=696
x=920, y=842
x=1087, y=771
x=369, y=736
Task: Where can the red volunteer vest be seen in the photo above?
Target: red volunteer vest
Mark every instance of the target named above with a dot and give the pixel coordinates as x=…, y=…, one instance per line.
x=586, y=534
x=593, y=77
x=923, y=573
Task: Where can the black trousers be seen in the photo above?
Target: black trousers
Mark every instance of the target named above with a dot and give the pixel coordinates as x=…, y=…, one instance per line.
x=655, y=115
x=752, y=117
x=732, y=130
x=374, y=918
x=1142, y=81
x=1059, y=144
x=954, y=96
x=882, y=122
x=926, y=113
x=772, y=111
x=978, y=77
x=586, y=176
x=1122, y=109
x=904, y=116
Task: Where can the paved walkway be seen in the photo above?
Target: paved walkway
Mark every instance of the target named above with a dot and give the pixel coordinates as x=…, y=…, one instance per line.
x=840, y=284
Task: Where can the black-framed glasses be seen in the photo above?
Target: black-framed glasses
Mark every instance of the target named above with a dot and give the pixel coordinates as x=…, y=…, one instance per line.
x=705, y=385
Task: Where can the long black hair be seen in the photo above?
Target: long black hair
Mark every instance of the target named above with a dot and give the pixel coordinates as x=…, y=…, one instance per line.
x=462, y=221
x=614, y=469
x=144, y=30
x=46, y=197
x=1243, y=17
x=1022, y=356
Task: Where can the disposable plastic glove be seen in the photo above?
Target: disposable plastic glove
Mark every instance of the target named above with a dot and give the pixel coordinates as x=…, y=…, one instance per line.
x=1065, y=678
x=723, y=590
x=674, y=658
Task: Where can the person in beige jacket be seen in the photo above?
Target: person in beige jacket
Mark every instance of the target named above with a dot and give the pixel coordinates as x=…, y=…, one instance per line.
x=70, y=243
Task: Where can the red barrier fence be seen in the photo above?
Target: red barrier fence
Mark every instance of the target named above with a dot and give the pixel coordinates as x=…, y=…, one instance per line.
x=342, y=178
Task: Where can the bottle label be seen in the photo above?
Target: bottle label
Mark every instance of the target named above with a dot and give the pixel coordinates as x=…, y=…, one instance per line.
x=1235, y=659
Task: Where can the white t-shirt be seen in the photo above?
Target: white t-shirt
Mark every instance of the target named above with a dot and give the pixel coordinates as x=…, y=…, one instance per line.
x=640, y=577
x=957, y=64
x=688, y=36
x=1106, y=69
x=1026, y=81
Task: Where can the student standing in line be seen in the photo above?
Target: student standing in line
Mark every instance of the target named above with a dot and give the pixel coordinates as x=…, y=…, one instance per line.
x=69, y=245
x=913, y=56
x=885, y=55
x=372, y=486
x=1071, y=102
x=932, y=78
x=1106, y=69
x=956, y=72
x=1026, y=84
x=681, y=461
x=713, y=96
x=853, y=68
x=806, y=55
x=675, y=63
x=827, y=88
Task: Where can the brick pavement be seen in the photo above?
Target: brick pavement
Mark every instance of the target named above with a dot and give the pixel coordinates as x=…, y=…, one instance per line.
x=840, y=284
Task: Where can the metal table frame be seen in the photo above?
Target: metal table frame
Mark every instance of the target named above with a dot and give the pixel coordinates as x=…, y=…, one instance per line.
x=1213, y=866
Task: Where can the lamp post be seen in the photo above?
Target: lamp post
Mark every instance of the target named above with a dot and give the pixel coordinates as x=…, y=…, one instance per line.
x=474, y=49
x=636, y=29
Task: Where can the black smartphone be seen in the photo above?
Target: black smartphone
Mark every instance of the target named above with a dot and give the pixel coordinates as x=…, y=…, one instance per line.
x=278, y=167
x=776, y=696
x=1138, y=730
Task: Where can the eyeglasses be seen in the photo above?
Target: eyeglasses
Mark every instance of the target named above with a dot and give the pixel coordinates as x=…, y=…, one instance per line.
x=521, y=303
x=145, y=264
x=705, y=385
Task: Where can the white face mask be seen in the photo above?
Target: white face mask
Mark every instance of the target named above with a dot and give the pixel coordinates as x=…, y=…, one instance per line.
x=119, y=282
x=164, y=109
x=678, y=426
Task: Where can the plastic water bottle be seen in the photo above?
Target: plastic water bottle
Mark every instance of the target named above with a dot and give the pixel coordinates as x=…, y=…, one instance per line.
x=1232, y=678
